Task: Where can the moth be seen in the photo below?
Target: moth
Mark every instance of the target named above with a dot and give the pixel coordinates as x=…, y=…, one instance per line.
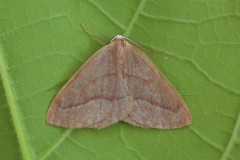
x=118, y=83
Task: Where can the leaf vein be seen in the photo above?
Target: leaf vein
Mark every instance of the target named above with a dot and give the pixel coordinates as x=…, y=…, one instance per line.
x=232, y=141
x=30, y=23
x=46, y=154
x=107, y=14
x=135, y=18
x=129, y=147
x=206, y=75
x=205, y=139
x=14, y=108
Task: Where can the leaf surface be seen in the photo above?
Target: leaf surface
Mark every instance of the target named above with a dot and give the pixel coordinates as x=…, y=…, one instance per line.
x=42, y=45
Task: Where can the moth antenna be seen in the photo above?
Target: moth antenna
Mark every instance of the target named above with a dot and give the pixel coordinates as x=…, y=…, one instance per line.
x=94, y=36
x=140, y=46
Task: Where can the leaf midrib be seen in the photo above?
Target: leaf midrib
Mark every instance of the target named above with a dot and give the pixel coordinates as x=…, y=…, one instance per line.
x=13, y=106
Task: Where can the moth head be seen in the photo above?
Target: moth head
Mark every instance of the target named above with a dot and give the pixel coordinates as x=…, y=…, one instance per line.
x=118, y=37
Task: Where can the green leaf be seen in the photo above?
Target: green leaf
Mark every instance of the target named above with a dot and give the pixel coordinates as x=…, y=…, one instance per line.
x=42, y=45
x=9, y=148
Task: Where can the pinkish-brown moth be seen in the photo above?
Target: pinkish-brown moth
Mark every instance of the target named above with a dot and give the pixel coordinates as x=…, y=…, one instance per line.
x=118, y=83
